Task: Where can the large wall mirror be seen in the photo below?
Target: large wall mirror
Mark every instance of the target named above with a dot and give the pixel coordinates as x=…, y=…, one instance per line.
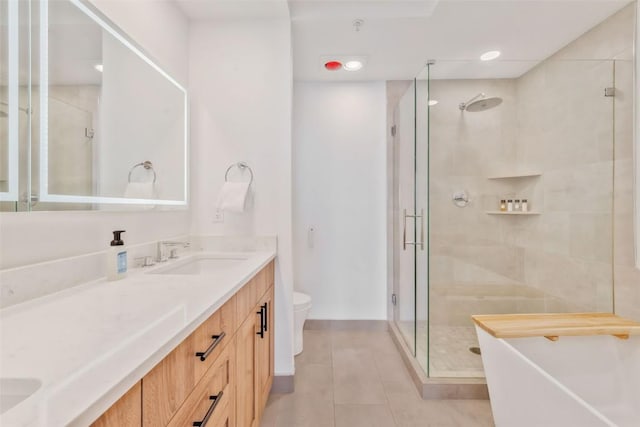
x=93, y=121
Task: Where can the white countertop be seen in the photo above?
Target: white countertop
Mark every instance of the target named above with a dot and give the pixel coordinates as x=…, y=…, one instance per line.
x=89, y=344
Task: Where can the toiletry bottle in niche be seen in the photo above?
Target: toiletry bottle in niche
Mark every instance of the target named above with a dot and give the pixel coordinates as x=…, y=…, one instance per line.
x=503, y=205
x=516, y=205
x=117, y=258
x=509, y=205
x=525, y=205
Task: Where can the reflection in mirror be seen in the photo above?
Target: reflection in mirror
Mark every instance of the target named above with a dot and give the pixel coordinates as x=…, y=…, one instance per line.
x=104, y=107
x=10, y=112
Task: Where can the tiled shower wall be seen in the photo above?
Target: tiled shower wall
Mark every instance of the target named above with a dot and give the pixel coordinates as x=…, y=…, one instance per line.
x=571, y=132
x=468, y=259
x=554, y=120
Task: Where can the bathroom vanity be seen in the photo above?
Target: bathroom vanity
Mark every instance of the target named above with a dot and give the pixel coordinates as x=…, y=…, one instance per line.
x=179, y=344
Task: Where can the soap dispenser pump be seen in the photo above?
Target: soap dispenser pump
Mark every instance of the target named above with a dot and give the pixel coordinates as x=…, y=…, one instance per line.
x=117, y=258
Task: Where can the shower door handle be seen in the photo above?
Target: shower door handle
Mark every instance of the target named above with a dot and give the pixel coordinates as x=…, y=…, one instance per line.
x=404, y=232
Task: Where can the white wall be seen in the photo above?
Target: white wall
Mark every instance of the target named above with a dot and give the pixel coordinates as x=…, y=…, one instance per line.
x=32, y=237
x=340, y=186
x=240, y=78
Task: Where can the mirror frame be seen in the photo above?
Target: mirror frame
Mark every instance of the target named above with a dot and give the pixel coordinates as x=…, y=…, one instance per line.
x=93, y=13
x=13, y=87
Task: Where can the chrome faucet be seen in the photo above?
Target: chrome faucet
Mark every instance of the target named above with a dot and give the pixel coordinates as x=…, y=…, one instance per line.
x=173, y=254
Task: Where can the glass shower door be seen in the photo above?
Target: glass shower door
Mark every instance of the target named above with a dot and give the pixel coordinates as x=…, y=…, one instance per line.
x=404, y=297
x=422, y=207
x=411, y=218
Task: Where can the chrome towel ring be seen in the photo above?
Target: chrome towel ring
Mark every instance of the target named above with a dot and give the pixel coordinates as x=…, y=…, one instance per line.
x=242, y=166
x=147, y=165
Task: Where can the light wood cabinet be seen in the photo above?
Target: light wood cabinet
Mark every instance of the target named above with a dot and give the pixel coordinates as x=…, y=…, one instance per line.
x=246, y=404
x=168, y=384
x=264, y=353
x=219, y=376
x=211, y=402
x=126, y=412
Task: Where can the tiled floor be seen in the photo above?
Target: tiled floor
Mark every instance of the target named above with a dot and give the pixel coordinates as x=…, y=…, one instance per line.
x=449, y=354
x=357, y=379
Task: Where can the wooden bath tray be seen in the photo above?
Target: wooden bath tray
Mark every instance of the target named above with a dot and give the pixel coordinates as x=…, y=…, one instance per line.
x=554, y=325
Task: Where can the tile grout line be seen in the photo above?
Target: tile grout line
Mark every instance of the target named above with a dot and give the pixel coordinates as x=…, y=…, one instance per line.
x=333, y=379
x=384, y=390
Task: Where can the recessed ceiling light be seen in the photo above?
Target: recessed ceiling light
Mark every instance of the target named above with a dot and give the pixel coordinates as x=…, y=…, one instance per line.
x=353, y=65
x=432, y=102
x=98, y=67
x=333, y=65
x=488, y=56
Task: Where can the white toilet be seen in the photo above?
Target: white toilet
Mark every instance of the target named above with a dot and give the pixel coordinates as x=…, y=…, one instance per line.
x=301, y=307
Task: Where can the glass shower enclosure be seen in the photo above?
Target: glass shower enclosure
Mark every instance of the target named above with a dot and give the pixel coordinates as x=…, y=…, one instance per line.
x=548, y=136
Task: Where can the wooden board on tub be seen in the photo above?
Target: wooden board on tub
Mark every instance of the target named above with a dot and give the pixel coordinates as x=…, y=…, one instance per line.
x=555, y=325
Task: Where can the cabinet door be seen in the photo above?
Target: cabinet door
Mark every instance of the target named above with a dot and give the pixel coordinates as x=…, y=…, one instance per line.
x=168, y=384
x=126, y=412
x=264, y=352
x=246, y=415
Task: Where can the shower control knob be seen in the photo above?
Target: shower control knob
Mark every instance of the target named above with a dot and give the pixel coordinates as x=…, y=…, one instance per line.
x=460, y=199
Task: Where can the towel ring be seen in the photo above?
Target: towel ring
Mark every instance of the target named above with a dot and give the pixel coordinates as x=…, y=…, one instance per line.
x=147, y=165
x=241, y=166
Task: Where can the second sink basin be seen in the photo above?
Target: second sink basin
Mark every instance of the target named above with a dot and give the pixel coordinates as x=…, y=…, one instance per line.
x=201, y=266
x=15, y=390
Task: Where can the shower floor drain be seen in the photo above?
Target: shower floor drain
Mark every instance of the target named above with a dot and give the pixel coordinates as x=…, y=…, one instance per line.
x=474, y=350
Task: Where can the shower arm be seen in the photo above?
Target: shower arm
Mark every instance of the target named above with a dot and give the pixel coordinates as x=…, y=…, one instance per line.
x=463, y=105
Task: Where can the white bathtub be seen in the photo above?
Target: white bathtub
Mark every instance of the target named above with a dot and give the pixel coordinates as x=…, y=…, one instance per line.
x=573, y=382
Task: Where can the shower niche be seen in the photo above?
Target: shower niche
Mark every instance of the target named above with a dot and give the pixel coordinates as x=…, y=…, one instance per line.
x=516, y=186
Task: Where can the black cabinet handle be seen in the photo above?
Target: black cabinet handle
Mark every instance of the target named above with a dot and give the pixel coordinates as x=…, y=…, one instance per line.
x=216, y=400
x=261, y=313
x=216, y=340
x=266, y=316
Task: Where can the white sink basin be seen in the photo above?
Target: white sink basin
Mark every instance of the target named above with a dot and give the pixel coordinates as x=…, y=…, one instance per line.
x=202, y=266
x=15, y=390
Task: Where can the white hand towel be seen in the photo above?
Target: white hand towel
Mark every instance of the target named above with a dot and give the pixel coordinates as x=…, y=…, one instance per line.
x=140, y=190
x=233, y=196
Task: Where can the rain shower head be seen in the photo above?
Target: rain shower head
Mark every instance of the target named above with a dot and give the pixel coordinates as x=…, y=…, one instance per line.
x=480, y=103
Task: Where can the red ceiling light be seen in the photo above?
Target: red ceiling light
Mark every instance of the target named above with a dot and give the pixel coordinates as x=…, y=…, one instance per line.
x=333, y=65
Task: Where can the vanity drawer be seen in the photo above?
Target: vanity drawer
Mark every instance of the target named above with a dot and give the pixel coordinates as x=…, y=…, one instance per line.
x=172, y=380
x=217, y=382
x=213, y=336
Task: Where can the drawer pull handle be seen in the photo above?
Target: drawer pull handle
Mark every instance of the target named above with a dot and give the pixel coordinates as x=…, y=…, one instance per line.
x=216, y=340
x=216, y=400
x=266, y=316
x=261, y=313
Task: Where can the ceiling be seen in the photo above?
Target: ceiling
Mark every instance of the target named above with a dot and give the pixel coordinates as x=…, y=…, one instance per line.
x=202, y=10
x=399, y=36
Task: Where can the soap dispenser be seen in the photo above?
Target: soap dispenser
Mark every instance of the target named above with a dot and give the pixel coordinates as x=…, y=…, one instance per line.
x=117, y=258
